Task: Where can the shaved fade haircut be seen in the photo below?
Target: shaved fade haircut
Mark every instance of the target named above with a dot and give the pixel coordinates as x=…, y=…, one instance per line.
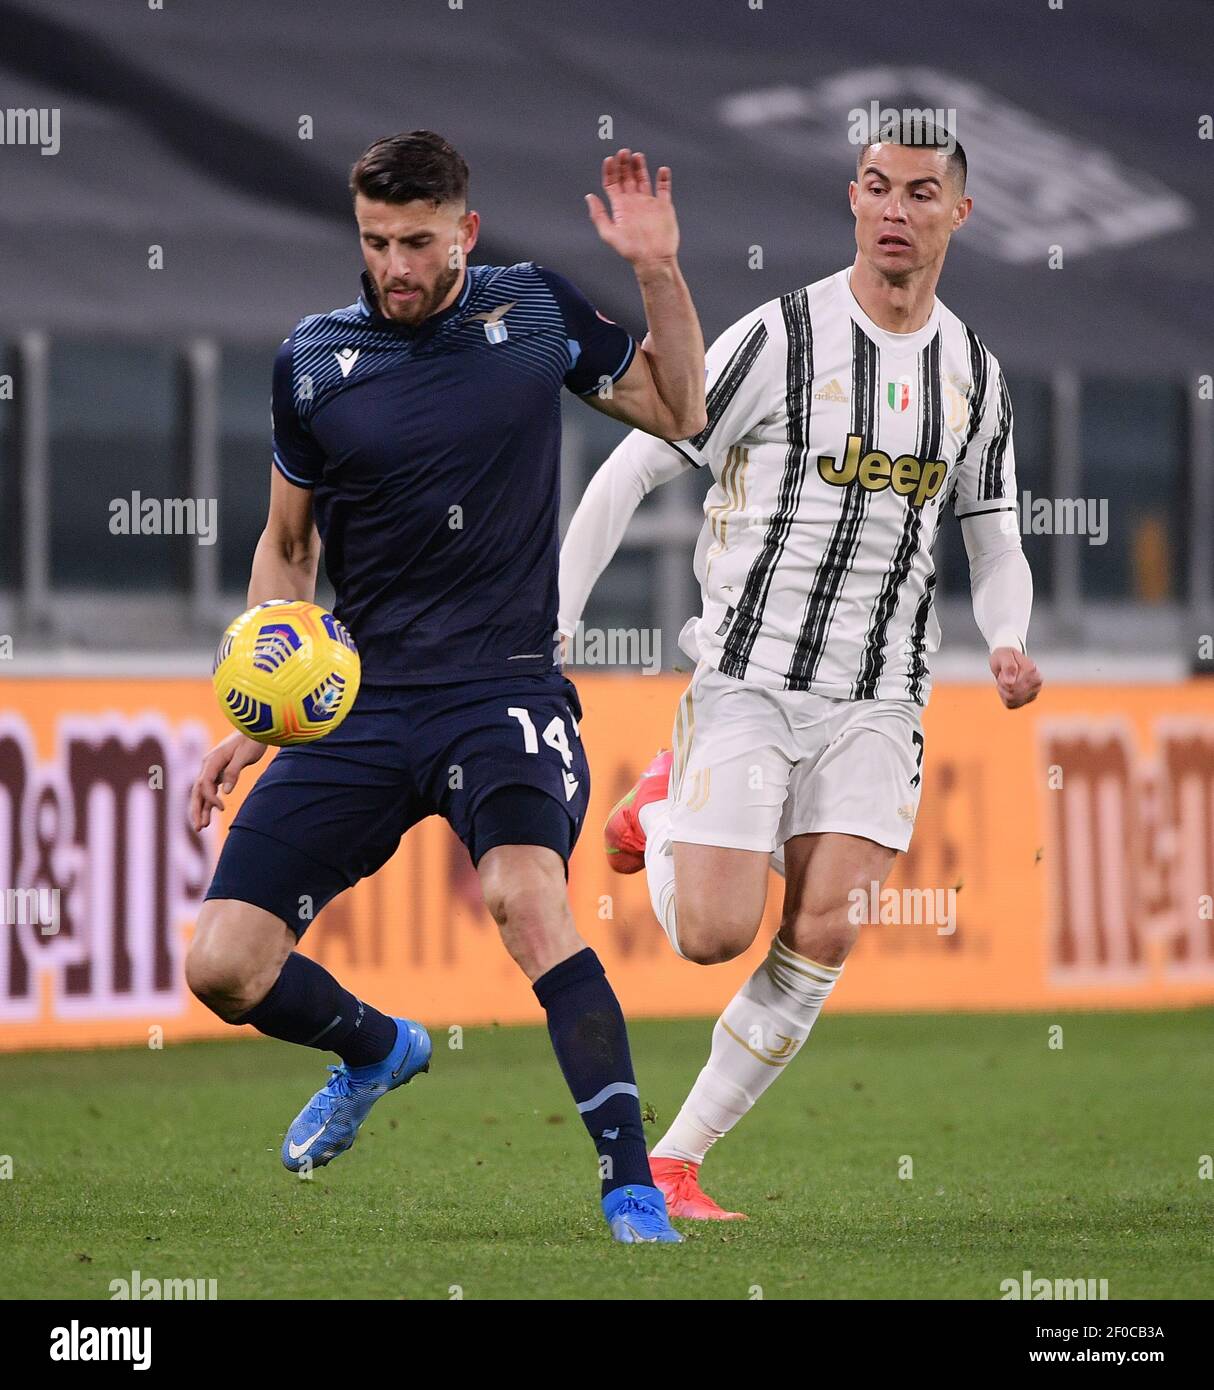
x=417, y=165
x=922, y=135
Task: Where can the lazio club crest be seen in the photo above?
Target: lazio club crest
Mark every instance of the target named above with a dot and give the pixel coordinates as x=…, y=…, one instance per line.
x=495, y=329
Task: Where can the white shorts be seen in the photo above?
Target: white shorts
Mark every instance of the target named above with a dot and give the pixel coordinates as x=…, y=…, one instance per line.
x=753, y=767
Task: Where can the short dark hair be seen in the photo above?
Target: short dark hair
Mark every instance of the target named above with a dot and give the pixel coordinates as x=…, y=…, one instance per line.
x=922, y=135
x=415, y=165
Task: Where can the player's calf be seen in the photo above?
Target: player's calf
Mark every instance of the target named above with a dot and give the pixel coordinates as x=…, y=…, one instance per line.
x=524, y=889
x=822, y=873
x=243, y=966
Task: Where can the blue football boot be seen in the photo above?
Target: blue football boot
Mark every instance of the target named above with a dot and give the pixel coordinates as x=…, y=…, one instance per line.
x=638, y=1215
x=329, y=1123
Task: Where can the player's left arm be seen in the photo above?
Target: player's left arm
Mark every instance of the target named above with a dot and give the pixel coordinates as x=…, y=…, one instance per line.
x=662, y=389
x=1001, y=583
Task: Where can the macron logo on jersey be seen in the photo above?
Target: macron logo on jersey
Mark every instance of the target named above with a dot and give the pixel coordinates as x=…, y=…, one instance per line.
x=346, y=358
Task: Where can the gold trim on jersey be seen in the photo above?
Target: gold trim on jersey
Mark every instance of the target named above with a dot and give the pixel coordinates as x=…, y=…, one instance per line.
x=684, y=729
x=733, y=484
x=701, y=787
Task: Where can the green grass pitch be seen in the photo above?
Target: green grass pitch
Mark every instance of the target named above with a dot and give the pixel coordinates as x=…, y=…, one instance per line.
x=1079, y=1162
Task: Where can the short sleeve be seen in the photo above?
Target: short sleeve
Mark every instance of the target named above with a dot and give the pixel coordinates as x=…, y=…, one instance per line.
x=599, y=349
x=297, y=456
x=737, y=390
x=985, y=477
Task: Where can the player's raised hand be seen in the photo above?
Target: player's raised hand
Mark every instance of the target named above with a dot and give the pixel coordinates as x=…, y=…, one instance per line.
x=1016, y=676
x=222, y=765
x=642, y=226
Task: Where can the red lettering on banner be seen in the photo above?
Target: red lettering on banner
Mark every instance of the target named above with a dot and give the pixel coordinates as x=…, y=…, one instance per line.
x=1131, y=843
x=104, y=825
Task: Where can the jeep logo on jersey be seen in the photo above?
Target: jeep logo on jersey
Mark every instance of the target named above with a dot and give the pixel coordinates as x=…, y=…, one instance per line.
x=909, y=477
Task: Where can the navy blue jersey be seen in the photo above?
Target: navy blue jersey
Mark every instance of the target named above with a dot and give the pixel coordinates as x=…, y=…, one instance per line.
x=433, y=453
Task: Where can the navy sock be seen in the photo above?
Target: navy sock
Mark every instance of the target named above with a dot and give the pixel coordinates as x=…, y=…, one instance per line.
x=586, y=1026
x=306, y=1005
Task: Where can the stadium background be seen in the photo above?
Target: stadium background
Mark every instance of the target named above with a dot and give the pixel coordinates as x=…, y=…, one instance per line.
x=222, y=135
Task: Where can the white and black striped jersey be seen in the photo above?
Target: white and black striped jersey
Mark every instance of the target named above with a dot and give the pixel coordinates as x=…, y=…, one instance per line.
x=834, y=444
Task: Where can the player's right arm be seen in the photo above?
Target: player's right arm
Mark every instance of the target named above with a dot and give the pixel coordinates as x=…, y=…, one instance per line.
x=737, y=401
x=284, y=566
x=288, y=553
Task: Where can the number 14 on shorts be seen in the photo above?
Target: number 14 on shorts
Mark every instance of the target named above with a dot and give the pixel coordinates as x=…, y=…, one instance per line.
x=554, y=736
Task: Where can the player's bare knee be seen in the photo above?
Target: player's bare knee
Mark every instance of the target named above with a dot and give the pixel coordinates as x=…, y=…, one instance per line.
x=218, y=981
x=823, y=939
x=231, y=965
x=710, y=950
x=713, y=937
x=533, y=917
x=515, y=905
x=539, y=921
x=520, y=885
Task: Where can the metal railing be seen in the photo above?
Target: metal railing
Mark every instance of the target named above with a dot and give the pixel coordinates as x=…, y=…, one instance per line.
x=49, y=623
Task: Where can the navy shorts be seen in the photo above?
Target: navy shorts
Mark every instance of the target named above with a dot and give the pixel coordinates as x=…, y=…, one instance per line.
x=501, y=760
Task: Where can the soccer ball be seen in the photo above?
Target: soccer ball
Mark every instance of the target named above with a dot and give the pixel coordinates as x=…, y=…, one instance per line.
x=286, y=672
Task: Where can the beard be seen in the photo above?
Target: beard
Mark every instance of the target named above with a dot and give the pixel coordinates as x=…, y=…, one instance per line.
x=426, y=305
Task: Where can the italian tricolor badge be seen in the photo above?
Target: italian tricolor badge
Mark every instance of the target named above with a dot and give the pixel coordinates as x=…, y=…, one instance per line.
x=897, y=393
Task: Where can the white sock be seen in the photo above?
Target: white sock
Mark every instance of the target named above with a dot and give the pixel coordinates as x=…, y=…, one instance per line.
x=759, y=1033
x=659, y=867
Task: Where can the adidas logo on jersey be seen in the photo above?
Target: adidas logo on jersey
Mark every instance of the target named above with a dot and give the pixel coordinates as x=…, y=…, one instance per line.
x=832, y=391
x=910, y=477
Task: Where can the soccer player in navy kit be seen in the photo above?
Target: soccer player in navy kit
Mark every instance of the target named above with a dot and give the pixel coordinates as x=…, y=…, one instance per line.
x=417, y=435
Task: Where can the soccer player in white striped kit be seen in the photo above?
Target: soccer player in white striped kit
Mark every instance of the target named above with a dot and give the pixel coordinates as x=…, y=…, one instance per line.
x=842, y=417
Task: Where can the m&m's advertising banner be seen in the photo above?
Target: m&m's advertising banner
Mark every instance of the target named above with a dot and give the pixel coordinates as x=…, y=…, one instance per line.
x=1063, y=857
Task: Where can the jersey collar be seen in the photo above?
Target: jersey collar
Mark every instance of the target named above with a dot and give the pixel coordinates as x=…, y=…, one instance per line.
x=892, y=342
x=368, y=301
